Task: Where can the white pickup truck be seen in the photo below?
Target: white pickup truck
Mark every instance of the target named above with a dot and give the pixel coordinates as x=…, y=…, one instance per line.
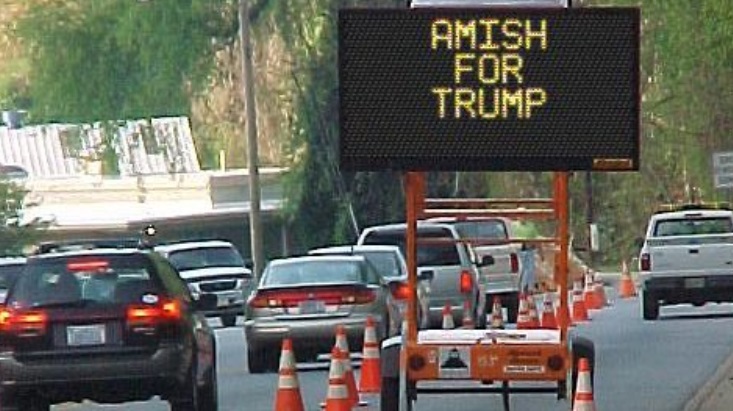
x=686, y=258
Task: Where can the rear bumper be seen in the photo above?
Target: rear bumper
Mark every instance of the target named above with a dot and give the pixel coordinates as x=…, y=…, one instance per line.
x=73, y=378
x=692, y=288
x=312, y=334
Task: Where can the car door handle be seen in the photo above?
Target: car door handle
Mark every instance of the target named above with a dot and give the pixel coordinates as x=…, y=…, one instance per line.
x=694, y=251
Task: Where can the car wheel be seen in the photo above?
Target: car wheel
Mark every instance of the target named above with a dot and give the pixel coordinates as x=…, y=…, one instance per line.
x=511, y=302
x=188, y=396
x=33, y=404
x=389, y=399
x=228, y=320
x=209, y=396
x=257, y=360
x=649, y=306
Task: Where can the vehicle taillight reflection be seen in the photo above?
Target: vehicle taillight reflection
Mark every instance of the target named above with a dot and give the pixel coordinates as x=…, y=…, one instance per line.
x=292, y=298
x=148, y=315
x=23, y=323
x=466, y=282
x=514, y=259
x=646, y=262
x=401, y=291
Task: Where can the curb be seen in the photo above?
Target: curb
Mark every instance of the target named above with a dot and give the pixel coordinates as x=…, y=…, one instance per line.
x=710, y=386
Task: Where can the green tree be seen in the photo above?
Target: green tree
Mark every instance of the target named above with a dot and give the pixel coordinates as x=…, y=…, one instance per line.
x=15, y=236
x=103, y=60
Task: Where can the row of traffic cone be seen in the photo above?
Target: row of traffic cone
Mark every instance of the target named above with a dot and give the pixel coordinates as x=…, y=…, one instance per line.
x=342, y=393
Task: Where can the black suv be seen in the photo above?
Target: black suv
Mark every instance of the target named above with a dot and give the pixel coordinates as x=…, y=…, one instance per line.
x=108, y=325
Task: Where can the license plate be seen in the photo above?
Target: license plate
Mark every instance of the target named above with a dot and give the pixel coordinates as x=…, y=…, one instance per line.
x=694, y=282
x=227, y=299
x=312, y=307
x=81, y=335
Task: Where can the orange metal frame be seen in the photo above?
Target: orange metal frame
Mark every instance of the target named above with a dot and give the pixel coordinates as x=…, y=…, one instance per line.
x=490, y=361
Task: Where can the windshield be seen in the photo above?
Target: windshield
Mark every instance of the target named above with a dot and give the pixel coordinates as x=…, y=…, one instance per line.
x=384, y=262
x=693, y=226
x=441, y=250
x=320, y=272
x=73, y=280
x=205, y=257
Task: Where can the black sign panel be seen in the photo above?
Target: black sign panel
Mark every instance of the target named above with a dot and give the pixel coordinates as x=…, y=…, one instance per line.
x=489, y=89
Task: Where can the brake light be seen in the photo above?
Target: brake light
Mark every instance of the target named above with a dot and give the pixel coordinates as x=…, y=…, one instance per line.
x=401, y=291
x=87, y=265
x=466, y=282
x=646, y=262
x=23, y=323
x=514, y=259
x=292, y=298
x=148, y=315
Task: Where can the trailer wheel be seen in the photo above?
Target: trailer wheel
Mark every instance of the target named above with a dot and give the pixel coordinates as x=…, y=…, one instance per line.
x=389, y=399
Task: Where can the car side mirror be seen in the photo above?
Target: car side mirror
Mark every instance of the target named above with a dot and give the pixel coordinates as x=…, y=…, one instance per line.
x=249, y=264
x=426, y=275
x=487, y=260
x=205, y=302
x=639, y=242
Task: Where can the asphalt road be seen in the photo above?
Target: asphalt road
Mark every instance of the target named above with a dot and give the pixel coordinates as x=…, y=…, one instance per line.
x=649, y=366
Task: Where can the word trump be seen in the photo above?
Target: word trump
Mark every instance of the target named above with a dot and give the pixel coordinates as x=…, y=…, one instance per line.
x=488, y=63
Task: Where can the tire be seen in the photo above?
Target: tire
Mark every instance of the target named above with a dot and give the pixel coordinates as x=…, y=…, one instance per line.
x=31, y=404
x=389, y=399
x=209, y=395
x=261, y=360
x=188, y=396
x=228, y=320
x=649, y=306
x=511, y=302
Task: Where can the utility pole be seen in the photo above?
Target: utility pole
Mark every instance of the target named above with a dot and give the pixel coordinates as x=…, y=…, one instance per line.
x=255, y=223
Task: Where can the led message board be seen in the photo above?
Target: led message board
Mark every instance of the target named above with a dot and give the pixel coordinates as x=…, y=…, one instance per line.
x=489, y=89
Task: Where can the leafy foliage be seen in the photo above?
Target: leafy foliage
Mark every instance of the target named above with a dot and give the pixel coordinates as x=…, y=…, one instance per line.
x=15, y=236
x=113, y=59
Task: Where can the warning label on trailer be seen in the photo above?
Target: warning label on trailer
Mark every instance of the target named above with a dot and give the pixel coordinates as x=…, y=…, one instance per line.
x=455, y=362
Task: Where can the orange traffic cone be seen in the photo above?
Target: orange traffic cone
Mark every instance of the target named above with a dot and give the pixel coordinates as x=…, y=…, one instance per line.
x=589, y=294
x=343, y=345
x=288, y=396
x=371, y=369
x=524, y=321
x=583, y=400
x=448, y=323
x=548, y=321
x=533, y=316
x=580, y=312
x=337, y=397
x=600, y=291
x=626, y=286
x=497, y=315
x=467, y=321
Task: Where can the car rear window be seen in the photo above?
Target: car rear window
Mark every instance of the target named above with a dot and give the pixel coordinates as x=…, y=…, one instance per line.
x=8, y=274
x=488, y=229
x=693, y=226
x=321, y=272
x=205, y=257
x=442, y=249
x=99, y=279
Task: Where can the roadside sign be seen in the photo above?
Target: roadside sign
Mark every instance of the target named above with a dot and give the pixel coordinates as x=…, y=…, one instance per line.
x=723, y=169
x=489, y=89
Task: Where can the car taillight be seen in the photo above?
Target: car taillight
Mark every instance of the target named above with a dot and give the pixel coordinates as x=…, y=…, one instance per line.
x=466, y=282
x=646, y=262
x=153, y=314
x=23, y=323
x=401, y=291
x=292, y=298
x=514, y=259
